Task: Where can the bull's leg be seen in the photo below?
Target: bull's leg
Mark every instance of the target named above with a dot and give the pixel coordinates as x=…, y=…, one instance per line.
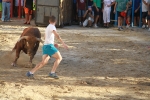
x=30, y=61
x=17, y=56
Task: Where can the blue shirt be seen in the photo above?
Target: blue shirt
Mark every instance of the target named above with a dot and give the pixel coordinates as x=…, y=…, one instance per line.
x=0, y=1
x=136, y=4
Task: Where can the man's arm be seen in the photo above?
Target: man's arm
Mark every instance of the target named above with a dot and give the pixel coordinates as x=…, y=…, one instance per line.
x=145, y=2
x=85, y=14
x=59, y=38
x=115, y=7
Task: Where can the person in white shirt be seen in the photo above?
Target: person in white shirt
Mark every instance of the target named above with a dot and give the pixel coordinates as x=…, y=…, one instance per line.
x=144, y=12
x=106, y=11
x=49, y=50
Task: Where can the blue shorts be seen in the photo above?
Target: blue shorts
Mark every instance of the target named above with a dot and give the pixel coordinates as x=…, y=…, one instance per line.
x=81, y=13
x=49, y=49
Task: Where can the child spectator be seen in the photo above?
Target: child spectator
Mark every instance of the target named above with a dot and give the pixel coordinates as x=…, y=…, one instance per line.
x=136, y=11
x=129, y=11
x=148, y=16
x=106, y=11
x=81, y=7
x=49, y=50
x=89, y=18
x=144, y=12
x=121, y=7
x=0, y=8
x=97, y=11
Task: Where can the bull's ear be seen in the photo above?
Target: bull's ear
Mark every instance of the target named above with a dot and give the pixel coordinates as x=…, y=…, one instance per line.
x=23, y=37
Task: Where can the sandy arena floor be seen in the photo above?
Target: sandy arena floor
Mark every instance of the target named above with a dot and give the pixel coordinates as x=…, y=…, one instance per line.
x=101, y=64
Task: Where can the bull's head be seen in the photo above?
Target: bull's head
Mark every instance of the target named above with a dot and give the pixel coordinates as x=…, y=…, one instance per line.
x=31, y=43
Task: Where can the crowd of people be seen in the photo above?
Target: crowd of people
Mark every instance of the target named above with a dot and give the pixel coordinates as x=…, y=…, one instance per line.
x=27, y=8
x=89, y=13
x=92, y=12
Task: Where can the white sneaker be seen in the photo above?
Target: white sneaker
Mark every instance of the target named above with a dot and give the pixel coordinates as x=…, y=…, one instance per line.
x=149, y=29
x=95, y=26
x=143, y=26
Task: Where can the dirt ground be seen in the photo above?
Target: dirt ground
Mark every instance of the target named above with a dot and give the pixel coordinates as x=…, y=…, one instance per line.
x=101, y=64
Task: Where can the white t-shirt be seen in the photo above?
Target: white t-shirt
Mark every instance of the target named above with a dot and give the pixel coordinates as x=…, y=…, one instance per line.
x=49, y=35
x=17, y=2
x=107, y=2
x=144, y=7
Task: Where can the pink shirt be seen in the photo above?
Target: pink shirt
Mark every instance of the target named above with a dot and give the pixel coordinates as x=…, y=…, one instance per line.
x=6, y=0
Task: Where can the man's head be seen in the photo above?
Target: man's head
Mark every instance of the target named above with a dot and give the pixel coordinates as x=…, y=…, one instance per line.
x=52, y=20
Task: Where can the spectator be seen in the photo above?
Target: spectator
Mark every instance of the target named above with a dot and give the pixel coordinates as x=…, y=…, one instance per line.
x=121, y=7
x=28, y=7
x=17, y=7
x=129, y=11
x=89, y=18
x=6, y=14
x=148, y=16
x=144, y=12
x=106, y=11
x=136, y=11
x=81, y=7
x=97, y=11
x=0, y=8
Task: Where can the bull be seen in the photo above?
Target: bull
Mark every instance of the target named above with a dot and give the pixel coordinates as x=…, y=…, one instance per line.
x=28, y=43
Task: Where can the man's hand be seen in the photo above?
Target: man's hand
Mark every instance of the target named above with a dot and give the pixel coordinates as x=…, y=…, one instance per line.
x=65, y=46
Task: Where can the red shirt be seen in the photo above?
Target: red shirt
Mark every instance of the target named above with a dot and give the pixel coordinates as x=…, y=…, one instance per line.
x=81, y=4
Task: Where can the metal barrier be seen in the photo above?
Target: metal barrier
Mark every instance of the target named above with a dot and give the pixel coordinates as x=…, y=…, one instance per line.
x=132, y=21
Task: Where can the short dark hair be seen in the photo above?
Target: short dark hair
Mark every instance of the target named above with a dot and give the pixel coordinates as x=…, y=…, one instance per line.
x=52, y=19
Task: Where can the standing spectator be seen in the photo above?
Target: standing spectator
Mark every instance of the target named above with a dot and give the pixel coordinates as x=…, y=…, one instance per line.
x=5, y=14
x=148, y=16
x=121, y=7
x=97, y=11
x=144, y=12
x=136, y=11
x=129, y=11
x=81, y=7
x=0, y=8
x=17, y=7
x=28, y=7
x=106, y=11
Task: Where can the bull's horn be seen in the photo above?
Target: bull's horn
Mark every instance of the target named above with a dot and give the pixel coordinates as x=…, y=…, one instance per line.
x=23, y=37
x=40, y=40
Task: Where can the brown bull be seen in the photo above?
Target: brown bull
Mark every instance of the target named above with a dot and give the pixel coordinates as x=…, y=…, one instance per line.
x=28, y=43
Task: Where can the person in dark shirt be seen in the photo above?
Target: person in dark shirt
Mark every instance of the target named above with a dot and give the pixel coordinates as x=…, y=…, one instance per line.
x=28, y=7
x=136, y=12
x=90, y=3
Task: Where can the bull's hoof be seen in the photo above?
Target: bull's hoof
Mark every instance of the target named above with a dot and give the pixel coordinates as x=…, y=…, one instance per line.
x=13, y=64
